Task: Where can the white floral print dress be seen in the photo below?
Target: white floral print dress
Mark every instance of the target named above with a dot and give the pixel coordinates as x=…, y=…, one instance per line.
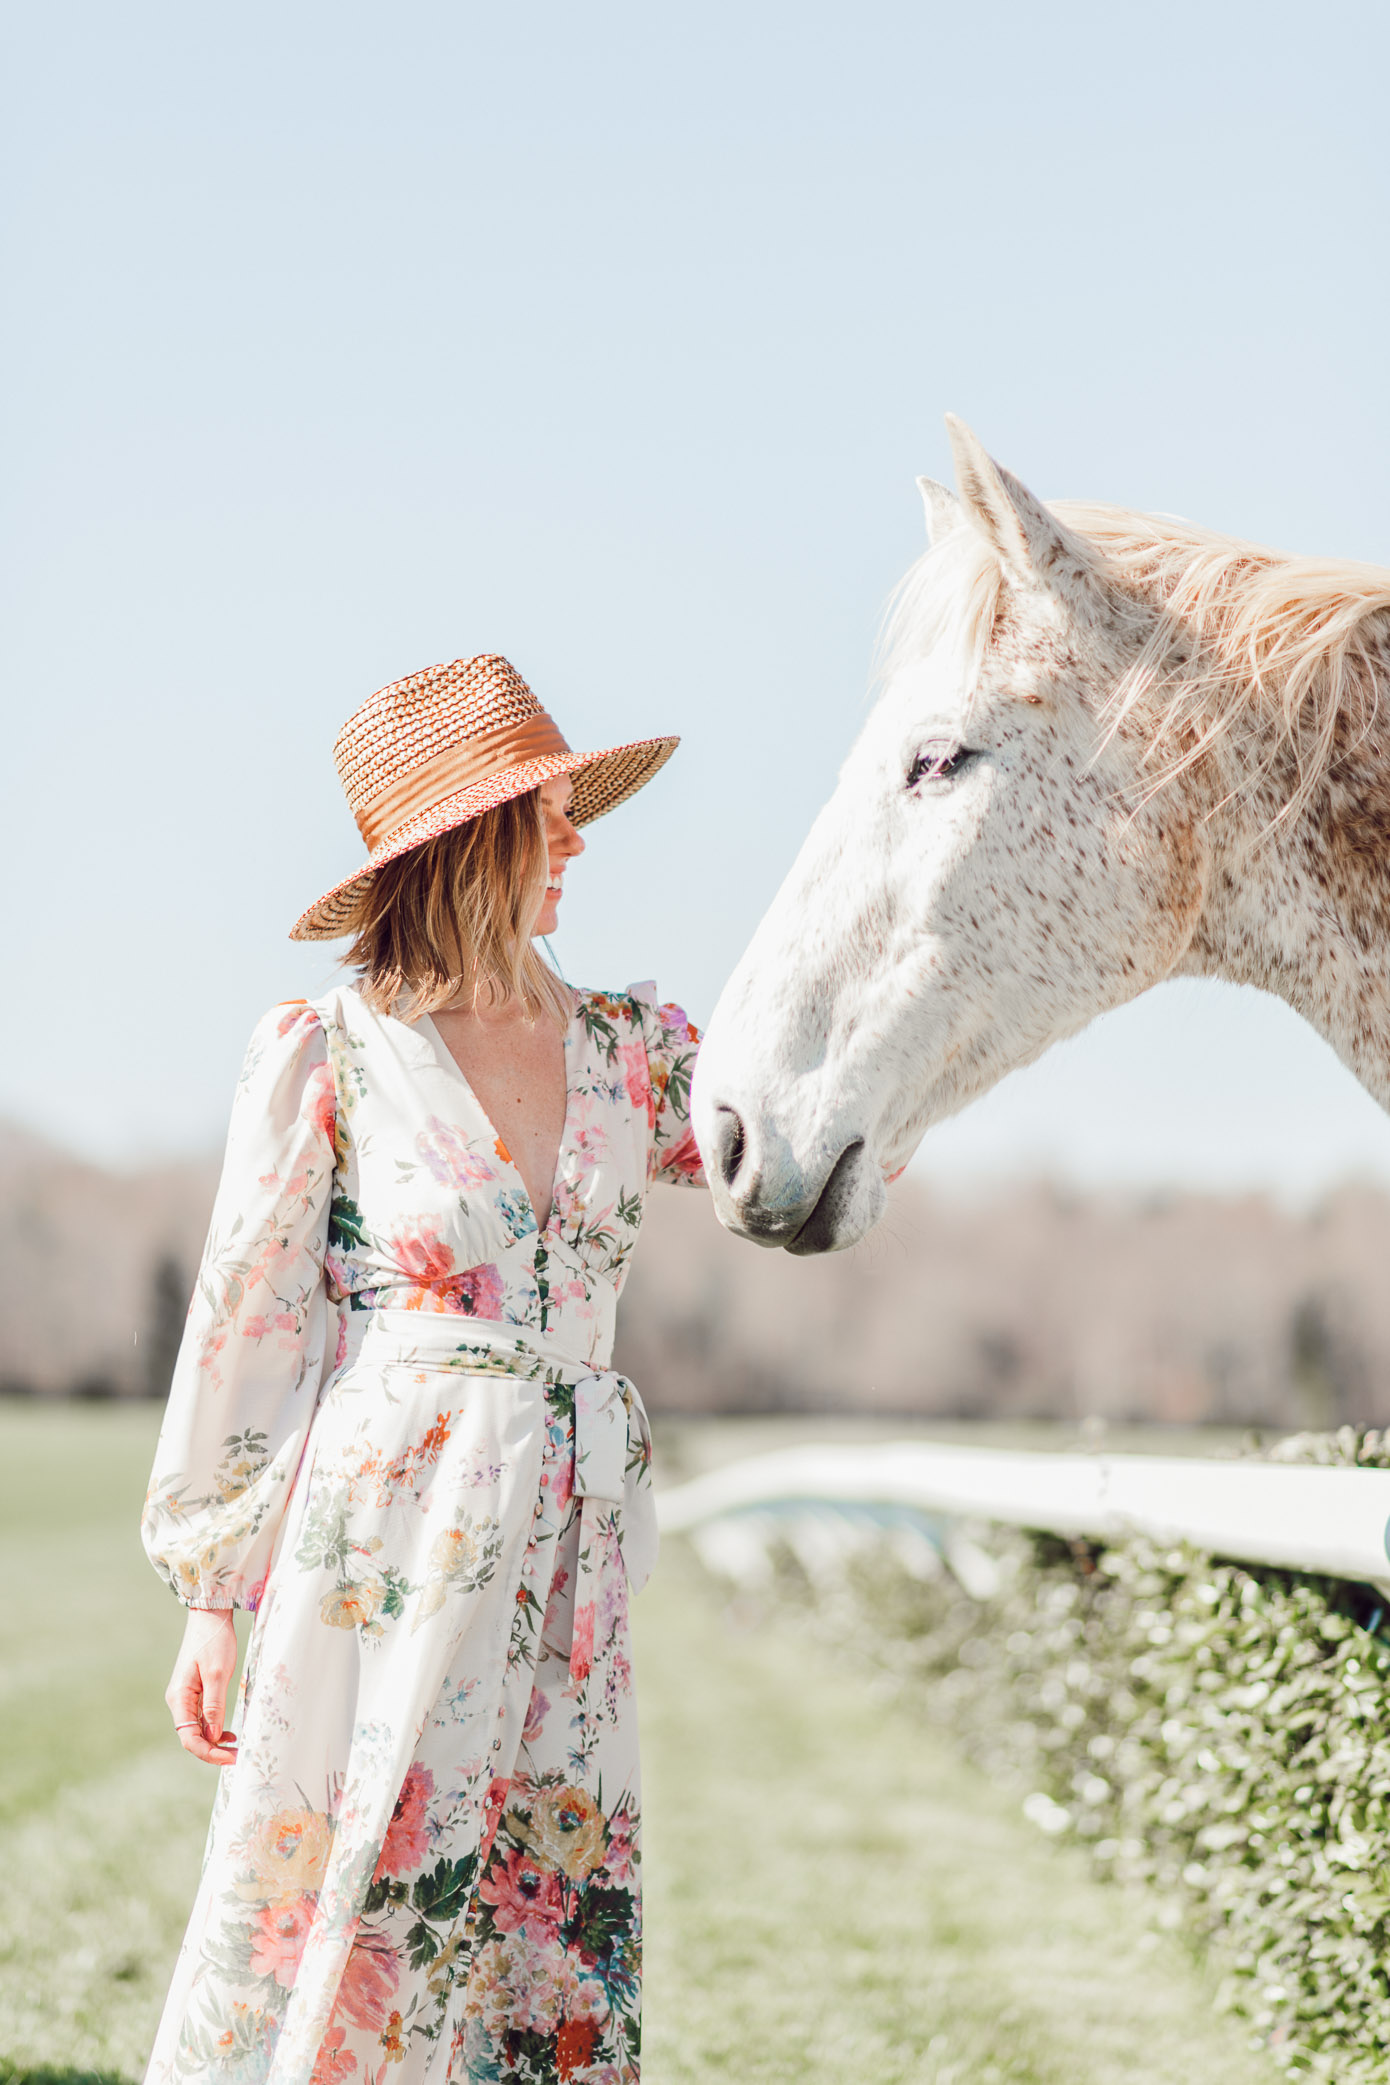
x=394, y=1435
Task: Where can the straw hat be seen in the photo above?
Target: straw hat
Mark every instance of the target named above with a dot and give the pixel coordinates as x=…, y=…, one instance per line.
x=433, y=751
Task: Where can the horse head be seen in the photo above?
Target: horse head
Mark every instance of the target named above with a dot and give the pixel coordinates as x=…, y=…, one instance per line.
x=994, y=868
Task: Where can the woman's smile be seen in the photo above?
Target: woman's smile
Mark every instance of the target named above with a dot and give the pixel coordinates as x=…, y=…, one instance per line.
x=563, y=842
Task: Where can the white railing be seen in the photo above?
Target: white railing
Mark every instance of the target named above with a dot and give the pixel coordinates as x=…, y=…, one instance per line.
x=1329, y=1521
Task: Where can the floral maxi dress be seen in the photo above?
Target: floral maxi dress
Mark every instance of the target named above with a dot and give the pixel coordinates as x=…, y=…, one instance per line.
x=393, y=1435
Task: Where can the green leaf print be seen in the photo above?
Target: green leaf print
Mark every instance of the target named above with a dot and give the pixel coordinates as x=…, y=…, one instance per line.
x=349, y=1079
x=442, y=1895
x=345, y=1227
x=600, y=1012
x=603, y=1919
x=325, y=1543
x=560, y=1396
x=387, y=1889
x=421, y=1945
x=230, y=1951
x=246, y=1455
x=398, y=1591
x=678, y=1084
x=531, y=2058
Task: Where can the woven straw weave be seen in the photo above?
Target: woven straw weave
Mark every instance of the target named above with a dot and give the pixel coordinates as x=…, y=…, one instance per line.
x=401, y=727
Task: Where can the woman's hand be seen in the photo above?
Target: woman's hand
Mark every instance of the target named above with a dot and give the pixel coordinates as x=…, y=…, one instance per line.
x=197, y=1693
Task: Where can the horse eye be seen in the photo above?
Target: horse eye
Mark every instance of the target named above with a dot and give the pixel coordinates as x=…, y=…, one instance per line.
x=937, y=764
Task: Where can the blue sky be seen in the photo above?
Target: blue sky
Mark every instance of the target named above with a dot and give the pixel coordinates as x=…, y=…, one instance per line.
x=350, y=339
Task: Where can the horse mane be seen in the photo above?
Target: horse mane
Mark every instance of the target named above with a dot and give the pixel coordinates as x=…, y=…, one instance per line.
x=1245, y=637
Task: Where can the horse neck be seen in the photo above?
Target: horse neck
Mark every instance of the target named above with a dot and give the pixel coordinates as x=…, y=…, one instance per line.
x=1301, y=906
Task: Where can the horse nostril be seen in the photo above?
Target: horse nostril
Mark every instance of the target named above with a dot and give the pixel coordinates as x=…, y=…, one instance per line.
x=731, y=1143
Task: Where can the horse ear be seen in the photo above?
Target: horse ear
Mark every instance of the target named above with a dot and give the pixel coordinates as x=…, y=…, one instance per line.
x=944, y=514
x=1028, y=540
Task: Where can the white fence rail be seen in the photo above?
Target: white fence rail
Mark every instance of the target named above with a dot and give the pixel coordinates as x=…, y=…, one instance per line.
x=1329, y=1521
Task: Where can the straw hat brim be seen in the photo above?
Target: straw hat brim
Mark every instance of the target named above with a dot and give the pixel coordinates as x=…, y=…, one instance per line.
x=602, y=781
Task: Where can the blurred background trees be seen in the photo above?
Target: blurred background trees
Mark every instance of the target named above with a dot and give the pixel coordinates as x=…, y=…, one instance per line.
x=1024, y=1303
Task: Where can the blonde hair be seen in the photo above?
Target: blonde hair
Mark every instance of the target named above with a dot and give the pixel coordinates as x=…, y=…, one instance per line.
x=455, y=916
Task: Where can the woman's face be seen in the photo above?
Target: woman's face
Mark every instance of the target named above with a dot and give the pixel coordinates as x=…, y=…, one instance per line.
x=562, y=842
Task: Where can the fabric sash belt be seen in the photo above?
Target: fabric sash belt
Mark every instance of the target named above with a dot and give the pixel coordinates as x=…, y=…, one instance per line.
x=612, y=1476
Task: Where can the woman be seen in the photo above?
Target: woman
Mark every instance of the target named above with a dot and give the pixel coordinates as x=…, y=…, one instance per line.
x=393, y=1435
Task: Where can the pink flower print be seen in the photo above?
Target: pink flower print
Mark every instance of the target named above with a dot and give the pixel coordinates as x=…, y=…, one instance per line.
x=676, y=1025
x=682, y=1157
x=480, y=1293
x=278, y=1936
x=498, y=1790
x=538, y=1999
x=424, y=1255
x=476, y=1292
x=255, y=1328
x=562, y=1481
x=334, y=2061
x=556, y=1607
x=525, y=1897
x=445, y=1150
x=295, y=1011
x=621, y=1857
x=611, y=1606
x=208, y=1352
x=632, y=1057
x=537, y=1709
x=582, y=1642
x=407, y=1838
x=591, y=1146
x=320, y=1102
x=370, y=1978
x=586, y=1999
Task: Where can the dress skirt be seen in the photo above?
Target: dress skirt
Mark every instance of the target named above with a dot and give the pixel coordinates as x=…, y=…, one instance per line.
x=425, y=1861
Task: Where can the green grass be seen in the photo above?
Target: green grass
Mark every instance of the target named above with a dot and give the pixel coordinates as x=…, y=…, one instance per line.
x=833, y=1895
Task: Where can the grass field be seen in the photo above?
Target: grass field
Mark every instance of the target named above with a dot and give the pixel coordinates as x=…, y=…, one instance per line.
x=832, y=1896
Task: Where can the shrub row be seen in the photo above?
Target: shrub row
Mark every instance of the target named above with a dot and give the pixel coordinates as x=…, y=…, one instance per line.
x=1214, y=1732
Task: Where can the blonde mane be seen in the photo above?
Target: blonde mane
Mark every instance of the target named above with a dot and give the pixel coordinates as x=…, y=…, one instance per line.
x=1246, y=637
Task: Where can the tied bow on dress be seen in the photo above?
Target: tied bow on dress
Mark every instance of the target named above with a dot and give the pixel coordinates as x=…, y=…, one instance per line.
x=612, y=1437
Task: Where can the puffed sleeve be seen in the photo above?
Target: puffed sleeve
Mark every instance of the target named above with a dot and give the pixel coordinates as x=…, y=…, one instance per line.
x=251, y=1363
x=671, y=1043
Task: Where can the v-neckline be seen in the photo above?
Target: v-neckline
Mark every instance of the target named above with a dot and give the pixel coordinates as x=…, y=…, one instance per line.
x=502, y=1148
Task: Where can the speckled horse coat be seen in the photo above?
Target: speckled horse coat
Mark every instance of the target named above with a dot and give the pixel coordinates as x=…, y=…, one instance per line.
x=1111, y=748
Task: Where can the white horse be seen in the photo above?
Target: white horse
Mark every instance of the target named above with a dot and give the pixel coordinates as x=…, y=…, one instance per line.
x=1111, y=748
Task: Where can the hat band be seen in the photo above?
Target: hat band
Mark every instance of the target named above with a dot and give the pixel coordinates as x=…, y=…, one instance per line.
x=457, y=767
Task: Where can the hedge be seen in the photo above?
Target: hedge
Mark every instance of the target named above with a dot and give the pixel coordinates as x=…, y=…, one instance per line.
x=1212, y=1731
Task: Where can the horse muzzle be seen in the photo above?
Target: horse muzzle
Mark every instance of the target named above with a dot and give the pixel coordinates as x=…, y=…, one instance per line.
x=762, y=1193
